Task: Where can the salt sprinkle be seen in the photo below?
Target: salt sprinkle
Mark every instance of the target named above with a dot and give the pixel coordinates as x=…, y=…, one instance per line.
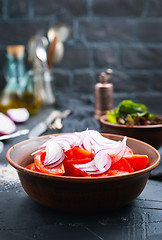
x=8, y=174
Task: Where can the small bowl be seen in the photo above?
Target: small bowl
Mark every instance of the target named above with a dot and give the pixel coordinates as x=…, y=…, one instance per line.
x=81, y=193
x=151, y=134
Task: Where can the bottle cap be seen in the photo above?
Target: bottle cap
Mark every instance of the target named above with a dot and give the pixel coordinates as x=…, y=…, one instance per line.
x=105, y=76
x=16, y=50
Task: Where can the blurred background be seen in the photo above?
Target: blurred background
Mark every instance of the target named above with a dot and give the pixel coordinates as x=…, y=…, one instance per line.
x=123, y=35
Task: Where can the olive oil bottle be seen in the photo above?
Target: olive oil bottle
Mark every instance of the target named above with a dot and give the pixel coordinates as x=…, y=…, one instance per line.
x=19, y=90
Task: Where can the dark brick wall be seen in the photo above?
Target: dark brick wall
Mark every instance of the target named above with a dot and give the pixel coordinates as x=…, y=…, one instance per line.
x=125, y=35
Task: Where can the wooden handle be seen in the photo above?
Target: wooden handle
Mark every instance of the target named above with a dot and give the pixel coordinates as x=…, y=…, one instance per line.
x=51, y=51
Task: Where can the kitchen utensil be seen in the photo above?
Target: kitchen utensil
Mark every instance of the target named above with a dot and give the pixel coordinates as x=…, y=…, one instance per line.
x=31, y=48
x=58, y=53
x=57, y=124
x=51, y=50
x=61, y=29
x=15, y=134
x=41, y=127
x=42, y=56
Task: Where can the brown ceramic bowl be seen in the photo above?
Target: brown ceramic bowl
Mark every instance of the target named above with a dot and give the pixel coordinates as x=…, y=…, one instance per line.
x=151, y=134
x=79, y=193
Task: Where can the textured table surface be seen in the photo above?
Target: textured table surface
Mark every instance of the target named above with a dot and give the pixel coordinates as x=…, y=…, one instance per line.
x=23, y=218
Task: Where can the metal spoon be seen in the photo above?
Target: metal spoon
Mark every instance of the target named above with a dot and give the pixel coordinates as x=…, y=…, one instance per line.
x=42, y=56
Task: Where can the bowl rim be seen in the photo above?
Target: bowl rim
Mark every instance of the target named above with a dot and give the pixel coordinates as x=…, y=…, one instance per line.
x=82, y=179
x=103, y=118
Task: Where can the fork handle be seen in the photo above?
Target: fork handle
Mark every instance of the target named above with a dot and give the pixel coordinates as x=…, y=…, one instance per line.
x=15, y=134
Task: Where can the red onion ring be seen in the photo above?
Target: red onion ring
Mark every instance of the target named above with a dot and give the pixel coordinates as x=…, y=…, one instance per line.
x=93, y=141
x=68, y=140
x=100, y=164
x=102, y=160
x=119, y=151
x=54, y=153
x=91, y=167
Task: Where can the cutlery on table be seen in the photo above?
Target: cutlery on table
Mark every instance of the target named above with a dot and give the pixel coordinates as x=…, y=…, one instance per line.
x=15, y=134
x=12, y=135
x=57, y=124
x=42, y=56
x=43, y=126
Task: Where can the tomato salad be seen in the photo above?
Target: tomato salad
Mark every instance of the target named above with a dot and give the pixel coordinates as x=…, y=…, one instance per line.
x=86, y=154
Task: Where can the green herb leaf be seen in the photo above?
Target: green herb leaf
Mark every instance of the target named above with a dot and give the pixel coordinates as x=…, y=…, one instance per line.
x=129, y=107
x=111, y=117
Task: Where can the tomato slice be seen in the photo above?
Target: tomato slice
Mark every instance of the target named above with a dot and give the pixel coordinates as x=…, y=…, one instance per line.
x=106, y=174
x=122, y=165
x=32, y=167
x=74, y=156
x=39, y=164
x=77, y=161
x=116, y=173
x=71, y=170
x=137, y=162
x=78, y=153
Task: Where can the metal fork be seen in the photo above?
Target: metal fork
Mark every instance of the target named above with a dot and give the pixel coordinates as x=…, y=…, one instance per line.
x=57, y=124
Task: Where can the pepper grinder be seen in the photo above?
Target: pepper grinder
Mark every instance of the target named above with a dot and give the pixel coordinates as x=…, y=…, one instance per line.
x=103, y=92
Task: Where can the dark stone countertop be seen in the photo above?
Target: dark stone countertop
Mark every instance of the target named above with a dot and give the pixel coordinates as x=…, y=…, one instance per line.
x=23, y=218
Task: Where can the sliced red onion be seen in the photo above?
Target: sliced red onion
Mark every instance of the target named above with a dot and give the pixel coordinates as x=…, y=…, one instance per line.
x=100, y=164
x=102, y=160
x=43, y=146
x=54, y=153
x=87, y=166
x=99, y=138
x=93, y=141
x=119, y=151
x=39, y=150
x=86, y=141
x=106, y=151
x=7, y=126
x=67, y=140
x=18, y=115
x=73, y=138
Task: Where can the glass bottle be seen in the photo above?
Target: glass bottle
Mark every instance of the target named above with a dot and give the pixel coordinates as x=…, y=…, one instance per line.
x=31, y=96
x=10, y=95
x=19, y=90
